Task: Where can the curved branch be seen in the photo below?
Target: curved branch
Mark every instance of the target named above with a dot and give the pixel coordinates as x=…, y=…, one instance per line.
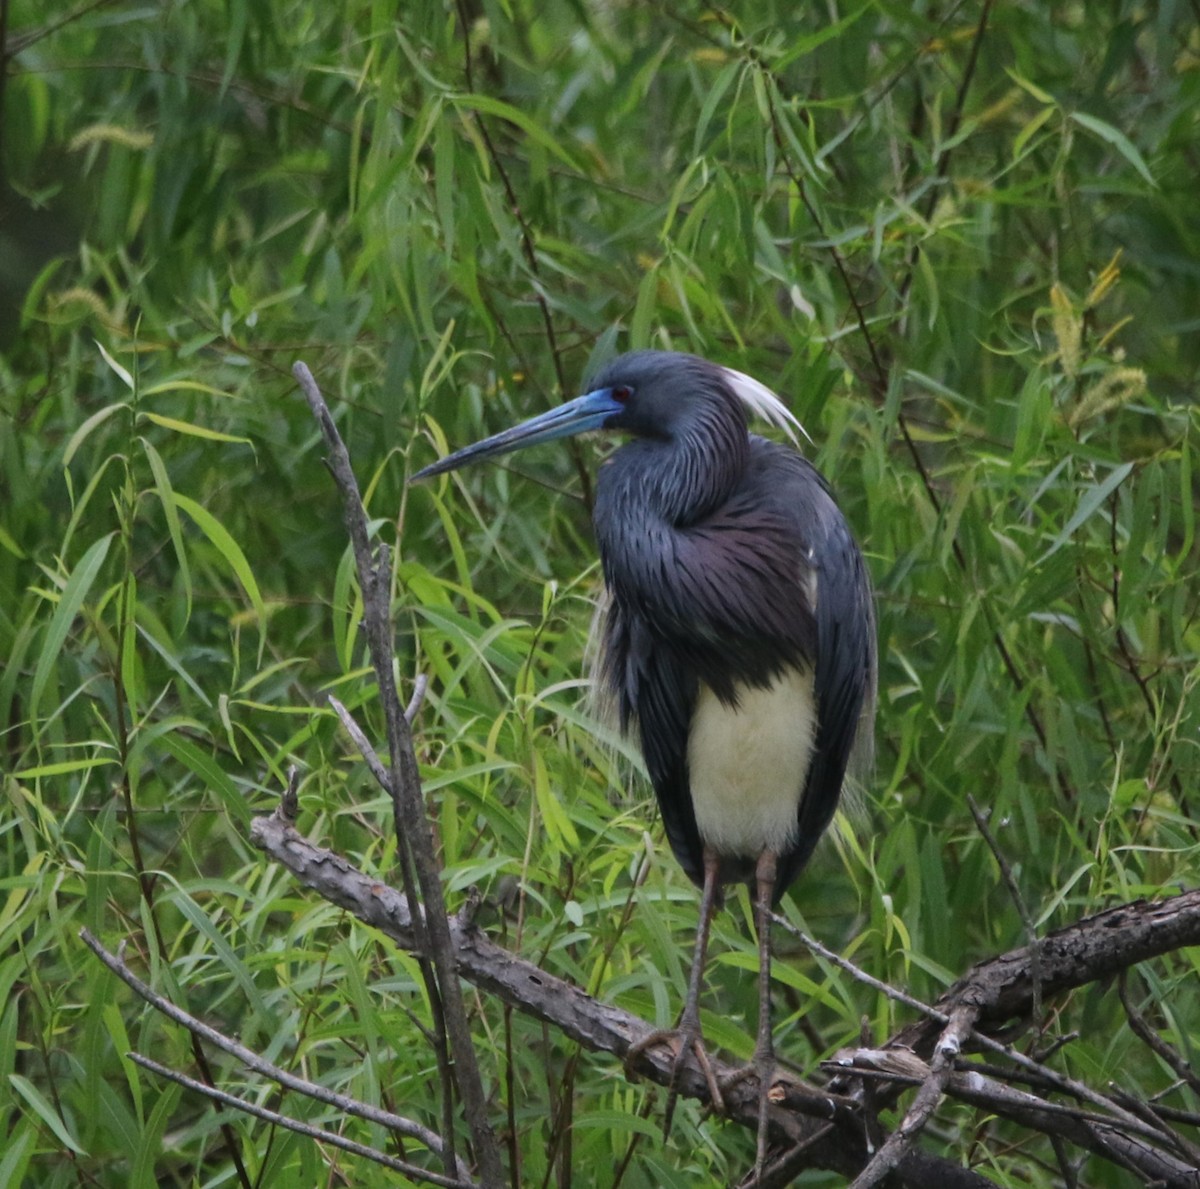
x=829, y=1126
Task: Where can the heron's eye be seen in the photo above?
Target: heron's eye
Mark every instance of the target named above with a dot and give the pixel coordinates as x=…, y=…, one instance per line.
x=621, y=393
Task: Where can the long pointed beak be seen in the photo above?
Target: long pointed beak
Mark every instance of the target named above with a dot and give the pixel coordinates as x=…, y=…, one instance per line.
x=590, y=411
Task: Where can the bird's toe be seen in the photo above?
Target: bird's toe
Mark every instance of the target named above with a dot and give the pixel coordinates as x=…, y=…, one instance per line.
x=686, y=1044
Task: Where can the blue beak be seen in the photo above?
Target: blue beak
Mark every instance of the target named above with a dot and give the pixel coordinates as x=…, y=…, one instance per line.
x=590, y=411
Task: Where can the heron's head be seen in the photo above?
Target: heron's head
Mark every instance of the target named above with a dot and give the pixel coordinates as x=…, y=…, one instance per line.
x=658, y=395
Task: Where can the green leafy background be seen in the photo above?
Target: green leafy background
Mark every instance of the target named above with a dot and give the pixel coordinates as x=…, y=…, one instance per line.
x=961, y=240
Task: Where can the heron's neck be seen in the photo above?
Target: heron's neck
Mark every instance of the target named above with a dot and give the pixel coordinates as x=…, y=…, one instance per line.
x=652, y=491
x=679, y=481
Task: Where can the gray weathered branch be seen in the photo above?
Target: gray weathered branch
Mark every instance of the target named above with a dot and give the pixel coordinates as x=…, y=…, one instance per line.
x=829, y=1127
x=414, y=833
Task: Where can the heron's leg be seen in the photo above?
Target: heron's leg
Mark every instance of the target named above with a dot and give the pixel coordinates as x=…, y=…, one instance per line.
x=762, y=1064
x=764, y=1047
x=687, y=1033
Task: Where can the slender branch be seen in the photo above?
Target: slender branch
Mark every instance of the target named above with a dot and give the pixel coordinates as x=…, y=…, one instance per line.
x=33, y=36
x=414, y=832
x=856, y=972
x=320, y=1134
x=1010, y=881
x=1142, y=1030
x=373, y=762
x=420, y=685
x=258, y=1064
x=941, y=1069
x=528, y=248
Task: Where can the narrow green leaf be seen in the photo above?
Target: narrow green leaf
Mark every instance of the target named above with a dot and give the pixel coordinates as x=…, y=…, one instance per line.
x=1029, y=130
x=73, y=596
x=83, y=432
x=1040, y=95
x=804, y=45
x=488, y=106
x=209, y=773
x=237, y=19
x=228, y=548
x=555, y=818
x=1118, y=140
x=716, y=92
x=1187, y=505
x=149, y=1152
x=192, y=429
x=120, y=371
x=188, y=386
x=206, y=927
x=41, y=1107
x=1092, y=498
x=174, y=664
x=166, y=497
x=18, y=1147
x=7, y=542
x=62, y=767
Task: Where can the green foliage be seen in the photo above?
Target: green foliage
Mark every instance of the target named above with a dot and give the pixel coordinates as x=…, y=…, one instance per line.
x=968, y=257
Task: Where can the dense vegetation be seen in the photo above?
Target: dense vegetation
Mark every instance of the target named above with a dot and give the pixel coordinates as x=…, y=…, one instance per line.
x=960, y=239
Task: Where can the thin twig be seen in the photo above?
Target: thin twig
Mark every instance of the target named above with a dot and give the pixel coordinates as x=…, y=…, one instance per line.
x=528, y=249
x=260, y=1065
x=857, y=972
x=320, y=1134
x=370, y=758
x=1010, y=881
x=420, y=685
x=941, y=1069
x=414, y=841
x=1148, y=1036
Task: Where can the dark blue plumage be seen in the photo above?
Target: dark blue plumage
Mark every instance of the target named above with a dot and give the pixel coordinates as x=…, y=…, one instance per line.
x=739, y=639
x=714, y=542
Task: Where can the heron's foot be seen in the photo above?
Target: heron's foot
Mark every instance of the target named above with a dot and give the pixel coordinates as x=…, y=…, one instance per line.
x=687, y=1042
x=762, y=1067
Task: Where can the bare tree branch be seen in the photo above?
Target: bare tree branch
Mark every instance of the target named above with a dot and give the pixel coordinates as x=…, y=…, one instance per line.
x=260, y=1065
x=828, y=1129
x=949, y=1045
x=414, y=832
x=1129, y=1145
x=1096, y=947
x=320, y=1134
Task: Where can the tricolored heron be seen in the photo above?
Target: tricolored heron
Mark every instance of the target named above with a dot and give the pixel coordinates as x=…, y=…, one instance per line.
x=739, y=638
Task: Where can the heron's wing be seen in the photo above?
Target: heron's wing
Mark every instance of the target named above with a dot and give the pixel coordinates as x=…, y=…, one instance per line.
x=844, y=684
x=656, y=692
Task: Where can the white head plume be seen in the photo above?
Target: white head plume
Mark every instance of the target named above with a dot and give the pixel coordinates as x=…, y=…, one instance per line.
x=762, y=402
